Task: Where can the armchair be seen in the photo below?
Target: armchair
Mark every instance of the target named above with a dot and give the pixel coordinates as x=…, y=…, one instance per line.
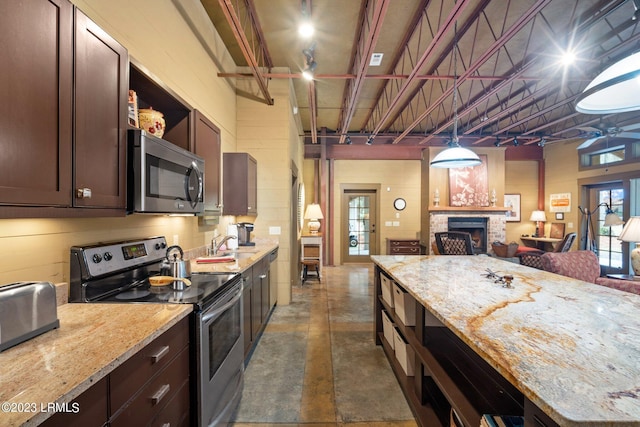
x=454, y=243
x=584, y=265
x=532, y=258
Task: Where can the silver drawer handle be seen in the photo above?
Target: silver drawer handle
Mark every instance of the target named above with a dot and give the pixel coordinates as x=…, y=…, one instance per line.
x=156, y=398
x=166, y=425
x=155, y=358
x=262, y=276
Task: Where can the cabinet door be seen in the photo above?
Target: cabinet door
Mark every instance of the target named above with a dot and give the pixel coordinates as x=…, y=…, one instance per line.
x=256, y=303
x=252, y=186
x=36, y=73
x=240, y=184
x=101, y=87
x=266, y=305
x=206, y=144
x=246, y=313
x=88, y=409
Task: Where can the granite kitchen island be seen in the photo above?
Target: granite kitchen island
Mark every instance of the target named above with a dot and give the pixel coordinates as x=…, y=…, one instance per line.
x=551, y=348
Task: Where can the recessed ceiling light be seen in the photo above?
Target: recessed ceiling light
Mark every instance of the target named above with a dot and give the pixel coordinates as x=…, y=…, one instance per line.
x=306, y=29
x=568, y=58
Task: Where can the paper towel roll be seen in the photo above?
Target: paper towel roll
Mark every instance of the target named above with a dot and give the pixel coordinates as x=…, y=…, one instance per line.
x=232, y=230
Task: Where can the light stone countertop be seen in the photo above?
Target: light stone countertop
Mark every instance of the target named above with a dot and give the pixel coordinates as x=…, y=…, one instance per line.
x=571, y=347
x=92, y=340
x=245, y=257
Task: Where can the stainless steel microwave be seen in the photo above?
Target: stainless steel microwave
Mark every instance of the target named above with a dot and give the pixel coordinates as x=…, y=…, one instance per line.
x=162, y=177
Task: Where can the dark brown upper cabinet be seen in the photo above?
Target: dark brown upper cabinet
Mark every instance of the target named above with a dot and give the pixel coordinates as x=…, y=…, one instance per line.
x=207, y=144
x=240, y=184
x=100, y=131
x=36, y=116
x=51, y=151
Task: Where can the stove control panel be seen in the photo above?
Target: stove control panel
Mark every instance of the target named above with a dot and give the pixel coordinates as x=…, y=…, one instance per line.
x=109, y=258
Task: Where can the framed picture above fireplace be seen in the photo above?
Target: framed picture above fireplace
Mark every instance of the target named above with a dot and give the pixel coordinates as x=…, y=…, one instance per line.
x=512, y=203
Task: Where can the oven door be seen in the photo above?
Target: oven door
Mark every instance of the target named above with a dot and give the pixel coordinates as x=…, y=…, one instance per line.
x=220, y=358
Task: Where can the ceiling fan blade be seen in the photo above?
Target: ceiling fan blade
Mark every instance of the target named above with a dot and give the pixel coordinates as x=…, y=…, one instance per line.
x=630, y=127
x=590, y=129
x=589, y=142
x=632, y=135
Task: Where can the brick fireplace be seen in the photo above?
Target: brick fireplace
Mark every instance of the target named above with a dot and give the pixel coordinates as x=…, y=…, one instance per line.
x=494, y=218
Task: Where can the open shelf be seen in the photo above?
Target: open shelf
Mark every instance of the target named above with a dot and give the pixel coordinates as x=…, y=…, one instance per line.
x=424, y=412
x=449, y=374
x=153, y=94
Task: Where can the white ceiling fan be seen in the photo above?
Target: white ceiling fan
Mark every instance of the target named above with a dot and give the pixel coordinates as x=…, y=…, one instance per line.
x=595, y=133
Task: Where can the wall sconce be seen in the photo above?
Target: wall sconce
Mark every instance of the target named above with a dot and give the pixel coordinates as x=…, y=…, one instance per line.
x=539, y=217
x=313, y=214
x=631, y=233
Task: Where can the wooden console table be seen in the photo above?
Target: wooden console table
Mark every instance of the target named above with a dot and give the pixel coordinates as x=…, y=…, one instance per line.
x=542, y=243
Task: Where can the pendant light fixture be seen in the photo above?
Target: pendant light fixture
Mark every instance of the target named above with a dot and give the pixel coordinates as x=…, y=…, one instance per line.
x=455, y=156
x=615, y=90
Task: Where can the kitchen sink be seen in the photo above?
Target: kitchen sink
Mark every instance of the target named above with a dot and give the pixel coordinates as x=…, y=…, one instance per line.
x=237, y=254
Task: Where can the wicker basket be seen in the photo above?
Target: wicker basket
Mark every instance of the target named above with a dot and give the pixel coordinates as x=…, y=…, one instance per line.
x=505, y=251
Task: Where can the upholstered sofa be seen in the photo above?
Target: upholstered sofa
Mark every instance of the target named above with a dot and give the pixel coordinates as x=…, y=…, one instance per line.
x=584, y=265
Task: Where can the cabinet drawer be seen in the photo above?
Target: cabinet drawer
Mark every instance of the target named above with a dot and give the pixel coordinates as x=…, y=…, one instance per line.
x=132, y=375
x=176, y=412
x=403, y=250
x=311, y=251
x=155, y=396
x=410, y=243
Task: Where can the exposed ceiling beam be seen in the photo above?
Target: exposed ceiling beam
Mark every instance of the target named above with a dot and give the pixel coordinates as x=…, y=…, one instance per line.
x=368, y=38
x=393, y=77
x=499, y=43
x=449, y=23
x=313, y=111
x=245, y=47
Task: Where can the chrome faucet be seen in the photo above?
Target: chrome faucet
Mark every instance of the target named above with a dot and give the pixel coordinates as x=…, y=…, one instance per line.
x=215, y=246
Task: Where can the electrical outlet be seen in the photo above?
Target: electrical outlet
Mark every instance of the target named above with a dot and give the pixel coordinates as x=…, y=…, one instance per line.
x=569, y=225
x=176, y=239
x=388, y=223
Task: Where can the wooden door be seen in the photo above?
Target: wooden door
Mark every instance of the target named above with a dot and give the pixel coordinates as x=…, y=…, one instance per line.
x=206, y=144
x=36, y=73
x=101, y=87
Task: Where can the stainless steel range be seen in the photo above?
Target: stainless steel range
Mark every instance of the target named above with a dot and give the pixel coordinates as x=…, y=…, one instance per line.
x=119, y=272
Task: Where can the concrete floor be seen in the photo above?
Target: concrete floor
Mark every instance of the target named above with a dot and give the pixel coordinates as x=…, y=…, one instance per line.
x=316, y=362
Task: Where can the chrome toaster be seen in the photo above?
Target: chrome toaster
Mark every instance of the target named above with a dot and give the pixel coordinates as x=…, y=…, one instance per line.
x=27, y=309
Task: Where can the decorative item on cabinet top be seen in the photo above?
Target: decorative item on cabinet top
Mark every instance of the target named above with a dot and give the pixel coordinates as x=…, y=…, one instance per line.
x=152, y=121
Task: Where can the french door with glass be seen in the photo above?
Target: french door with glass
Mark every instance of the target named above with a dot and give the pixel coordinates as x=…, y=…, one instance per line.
x=359, y=239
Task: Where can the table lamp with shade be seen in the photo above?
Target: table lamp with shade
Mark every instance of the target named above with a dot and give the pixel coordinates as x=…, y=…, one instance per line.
x=631, y=233
x=313, y=214
x=538, y=217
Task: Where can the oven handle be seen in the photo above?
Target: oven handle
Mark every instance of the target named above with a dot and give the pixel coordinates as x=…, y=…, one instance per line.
x=214, y=313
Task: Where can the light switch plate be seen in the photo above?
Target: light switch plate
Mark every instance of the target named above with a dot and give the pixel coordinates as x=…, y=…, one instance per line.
x=275, y=231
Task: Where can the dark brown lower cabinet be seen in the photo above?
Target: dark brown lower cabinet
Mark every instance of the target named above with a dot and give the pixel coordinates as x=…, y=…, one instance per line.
x=256, y=301
x=150, y=389
x=87, y=410
x=451, y=384
x=247, y=291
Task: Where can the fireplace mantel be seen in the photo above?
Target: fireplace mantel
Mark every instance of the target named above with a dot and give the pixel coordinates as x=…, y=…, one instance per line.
x=435, y=209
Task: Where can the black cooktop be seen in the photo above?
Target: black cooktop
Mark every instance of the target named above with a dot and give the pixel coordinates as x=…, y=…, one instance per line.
x=119, y=272
x=204, y=287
